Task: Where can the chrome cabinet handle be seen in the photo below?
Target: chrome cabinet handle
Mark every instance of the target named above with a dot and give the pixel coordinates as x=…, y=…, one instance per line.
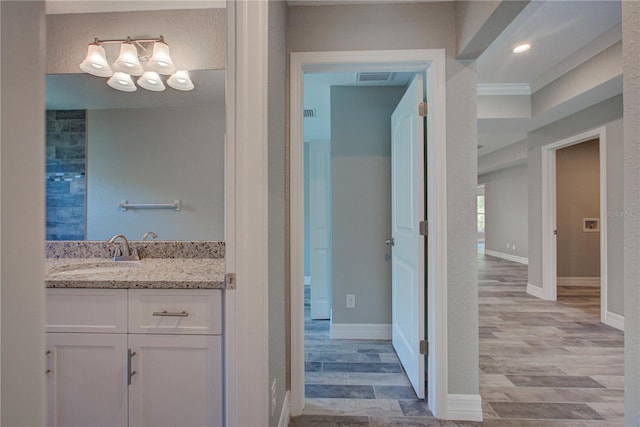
x=170, y=313
x=390, y=242
x=130, y=373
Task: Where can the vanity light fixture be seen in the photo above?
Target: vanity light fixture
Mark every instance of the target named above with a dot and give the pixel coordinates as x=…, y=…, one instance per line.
x=180, y=81
x=134, y=60
x=151, y=80
x=522, y=48
x=122, y=81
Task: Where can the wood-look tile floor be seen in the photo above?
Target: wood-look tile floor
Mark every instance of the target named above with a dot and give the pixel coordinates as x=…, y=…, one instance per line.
x=542, y=364
x=545, y=363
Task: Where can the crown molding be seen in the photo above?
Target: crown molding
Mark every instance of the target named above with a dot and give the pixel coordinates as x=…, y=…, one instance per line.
x=485, y=89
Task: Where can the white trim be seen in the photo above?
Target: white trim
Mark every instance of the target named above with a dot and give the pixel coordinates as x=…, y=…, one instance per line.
x=465, y=407
x=246, y=213
x=431, y=61
x=488, y=89
x=508, y=257
x=535, y=291
x=549, y=241
x=285, y=413
x=360, y=331
x=614, y=320
x=578, y=281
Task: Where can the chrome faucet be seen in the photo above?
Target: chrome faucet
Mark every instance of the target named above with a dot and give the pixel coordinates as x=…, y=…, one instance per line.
x=123, y=252
x=149, y=234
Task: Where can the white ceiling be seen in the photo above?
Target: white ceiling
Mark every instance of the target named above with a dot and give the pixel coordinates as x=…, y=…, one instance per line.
x=556, y=30
x=563, y=35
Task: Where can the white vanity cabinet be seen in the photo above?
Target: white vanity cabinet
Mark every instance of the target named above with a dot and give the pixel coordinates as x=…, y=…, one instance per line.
x=143, y=357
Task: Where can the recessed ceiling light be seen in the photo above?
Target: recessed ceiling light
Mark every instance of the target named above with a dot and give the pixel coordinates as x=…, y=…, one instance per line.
x=522, y=47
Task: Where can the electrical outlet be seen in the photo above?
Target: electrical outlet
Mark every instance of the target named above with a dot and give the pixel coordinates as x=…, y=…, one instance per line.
x=273, y=397
x=351, y=301
x=513, y=246
x=508, y=245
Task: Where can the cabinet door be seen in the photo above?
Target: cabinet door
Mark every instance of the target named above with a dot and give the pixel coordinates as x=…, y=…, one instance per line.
x=177, y=380
x=86, y=379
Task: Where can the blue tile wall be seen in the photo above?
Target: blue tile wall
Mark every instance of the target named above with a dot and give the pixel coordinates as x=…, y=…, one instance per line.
x=66, y=174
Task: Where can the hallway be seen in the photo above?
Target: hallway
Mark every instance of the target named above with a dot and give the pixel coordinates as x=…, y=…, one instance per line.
x=542, y=359
x=542, y=363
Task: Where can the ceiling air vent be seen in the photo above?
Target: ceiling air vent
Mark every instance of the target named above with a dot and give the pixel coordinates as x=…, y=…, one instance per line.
x=375, y=77
x=309, y=113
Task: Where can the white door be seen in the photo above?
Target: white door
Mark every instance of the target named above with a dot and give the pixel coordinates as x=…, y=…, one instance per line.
x=408, y=253
x=177, y=380
x=86, y=379
x=320, y=228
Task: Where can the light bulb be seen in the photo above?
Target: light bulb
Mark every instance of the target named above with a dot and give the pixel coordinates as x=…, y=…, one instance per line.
x=160, y=60
x=151, y=80
x=96, y=62
x=128, y=61
x=522, y=47
x=122, y=81
x=180, y=81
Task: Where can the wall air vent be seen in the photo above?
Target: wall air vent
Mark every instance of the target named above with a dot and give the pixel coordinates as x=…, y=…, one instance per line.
x=375, y=77
x=309, y=113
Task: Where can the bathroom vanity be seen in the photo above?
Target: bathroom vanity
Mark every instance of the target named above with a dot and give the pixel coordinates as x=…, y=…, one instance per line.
x=136, y=343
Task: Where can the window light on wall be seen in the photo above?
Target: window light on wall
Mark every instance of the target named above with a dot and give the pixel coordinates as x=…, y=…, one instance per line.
x=135, y=61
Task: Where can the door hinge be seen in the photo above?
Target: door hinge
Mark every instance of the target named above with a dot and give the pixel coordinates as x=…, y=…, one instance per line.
x=424, y=347
x=230, y=280
x=424, y=228
x=423, y=109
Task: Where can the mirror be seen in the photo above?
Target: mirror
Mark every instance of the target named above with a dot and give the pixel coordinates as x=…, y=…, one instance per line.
x=150, y=149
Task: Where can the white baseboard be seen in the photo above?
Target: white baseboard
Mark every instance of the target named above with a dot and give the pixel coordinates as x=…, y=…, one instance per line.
x=285, y=414
x=614, y=320
x=508, y=257
x=578, y=281
x=535, y=291
x=360, y=331
x=464, y=407
x=307, y=280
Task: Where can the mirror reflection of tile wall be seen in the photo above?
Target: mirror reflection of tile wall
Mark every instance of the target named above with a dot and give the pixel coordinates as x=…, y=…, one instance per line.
x=66, y=174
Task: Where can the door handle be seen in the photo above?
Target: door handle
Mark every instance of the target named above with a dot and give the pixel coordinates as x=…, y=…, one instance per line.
x=390, y=242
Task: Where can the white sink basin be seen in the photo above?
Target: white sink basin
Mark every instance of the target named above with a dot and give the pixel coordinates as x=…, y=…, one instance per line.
x=94, y=267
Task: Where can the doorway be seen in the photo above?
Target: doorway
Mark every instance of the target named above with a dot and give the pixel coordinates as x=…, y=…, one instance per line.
x=430, y=62
x=594, y=227
x=352, y=175
x=578, y=226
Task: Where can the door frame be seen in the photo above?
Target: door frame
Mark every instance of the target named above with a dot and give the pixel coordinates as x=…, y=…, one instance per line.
x=549, y=241
x=432, y=63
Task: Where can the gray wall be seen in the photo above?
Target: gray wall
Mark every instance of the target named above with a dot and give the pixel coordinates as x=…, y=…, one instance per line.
x=156, y=155
x=506, y=211
x=577, y=197
x=279, y=325
x=423, y=26
x=22, y=213
x=631, y=167
x=607, y=114
x=196, y=37
x=361, y=201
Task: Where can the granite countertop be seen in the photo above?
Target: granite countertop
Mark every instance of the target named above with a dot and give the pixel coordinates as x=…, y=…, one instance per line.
x=147, y=273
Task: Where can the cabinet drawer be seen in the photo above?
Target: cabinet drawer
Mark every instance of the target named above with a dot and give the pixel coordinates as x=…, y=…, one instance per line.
x=175, y=311
x=86, y=310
